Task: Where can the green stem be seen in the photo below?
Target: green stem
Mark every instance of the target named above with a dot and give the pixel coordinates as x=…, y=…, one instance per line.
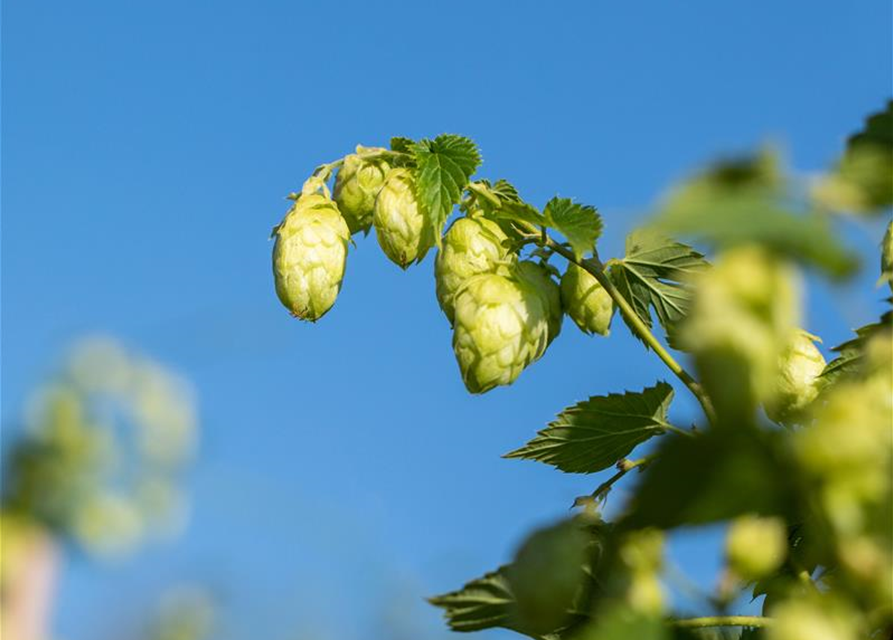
x=594, y=266
x=722, y=621
x=623, y=467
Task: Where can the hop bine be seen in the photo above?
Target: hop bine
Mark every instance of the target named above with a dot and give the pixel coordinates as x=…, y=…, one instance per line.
x=310, y=253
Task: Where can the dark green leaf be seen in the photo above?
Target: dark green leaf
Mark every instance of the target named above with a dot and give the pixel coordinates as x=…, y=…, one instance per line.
x=749, y=208
x=444, y=166
x=596, y=433
x=656, y=272
x=851, y=354
x=402, y=145
x=718, y=475
x=580, y=224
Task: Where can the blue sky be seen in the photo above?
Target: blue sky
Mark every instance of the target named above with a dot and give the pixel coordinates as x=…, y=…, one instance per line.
x=345, y=472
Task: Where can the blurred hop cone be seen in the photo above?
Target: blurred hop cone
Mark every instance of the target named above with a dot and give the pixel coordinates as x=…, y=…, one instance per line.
x=504, y=321
x=356, y=186
x=755, y=546
x=310, y=253
x=403, y=229
x=472, y=246
x=586, y=301
x=796, y=381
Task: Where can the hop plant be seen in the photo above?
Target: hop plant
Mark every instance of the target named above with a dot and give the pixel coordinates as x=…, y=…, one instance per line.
x=357, y=184
x=472, y=246
x=503, y=323
x=310, y=253
x=403, y=230
x=799, y=366
x=586, y=301
x=755, y=547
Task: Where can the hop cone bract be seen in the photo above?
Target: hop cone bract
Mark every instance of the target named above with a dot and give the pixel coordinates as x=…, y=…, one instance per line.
x=586, y=301
x=310, y=255
x=503, y=323
x=471, y=246
x=358, y=182
x=403, y=230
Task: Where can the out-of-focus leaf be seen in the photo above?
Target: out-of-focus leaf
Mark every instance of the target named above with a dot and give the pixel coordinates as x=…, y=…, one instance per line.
x=483, y=603
x=656, y=272
x=594, y=434
x=851, y=354
x=692, y=480
x=732, y=204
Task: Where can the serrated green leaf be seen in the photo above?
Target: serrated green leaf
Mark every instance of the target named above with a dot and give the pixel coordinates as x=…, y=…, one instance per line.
x=691, y=479
x=851, y=354
x=443, y=168
x=595, y=434
x=656, y=273
x=483, y=603
x=580, y=224
x=724, y=208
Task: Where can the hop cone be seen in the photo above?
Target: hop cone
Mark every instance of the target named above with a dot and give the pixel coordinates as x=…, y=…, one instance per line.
x=471, y=246
x=403, y=230
x=310, y=255
x=540, y=279
x=503, y=323
x=799, y=366
x=586, y=301
x=358, y=182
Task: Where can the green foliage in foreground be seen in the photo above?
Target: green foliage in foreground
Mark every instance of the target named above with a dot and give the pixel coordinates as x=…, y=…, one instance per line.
x=796, y=454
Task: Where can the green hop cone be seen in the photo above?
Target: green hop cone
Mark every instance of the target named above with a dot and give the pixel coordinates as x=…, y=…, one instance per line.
x=503, y=322
x=539, y=278
x=403, y=229
x=755, y=547
x=471, y=246
x=799, y=366
x=358, y=182
x=310, y=255
x=586, y=301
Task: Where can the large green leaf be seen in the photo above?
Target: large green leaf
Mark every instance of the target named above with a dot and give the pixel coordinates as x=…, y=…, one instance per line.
x=656, y=273
x=743, y=203
x=580, y=224
x=867, y=163
x=594, y=434
x=443, y=168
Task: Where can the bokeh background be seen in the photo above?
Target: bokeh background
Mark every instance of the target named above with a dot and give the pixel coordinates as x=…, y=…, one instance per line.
x=344, y=473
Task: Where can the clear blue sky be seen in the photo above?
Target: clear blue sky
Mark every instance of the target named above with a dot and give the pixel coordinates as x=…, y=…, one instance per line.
x=345, y=472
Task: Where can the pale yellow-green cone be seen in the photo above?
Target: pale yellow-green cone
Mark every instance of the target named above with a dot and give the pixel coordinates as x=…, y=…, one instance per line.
x=502, y=324
x=471, y=246
x=403, y=229
x=548, y=289
x=755, y=546
x=887, y=256
x=356, y=186
x=799, y=366
x=310, y=255
x=586, y=301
